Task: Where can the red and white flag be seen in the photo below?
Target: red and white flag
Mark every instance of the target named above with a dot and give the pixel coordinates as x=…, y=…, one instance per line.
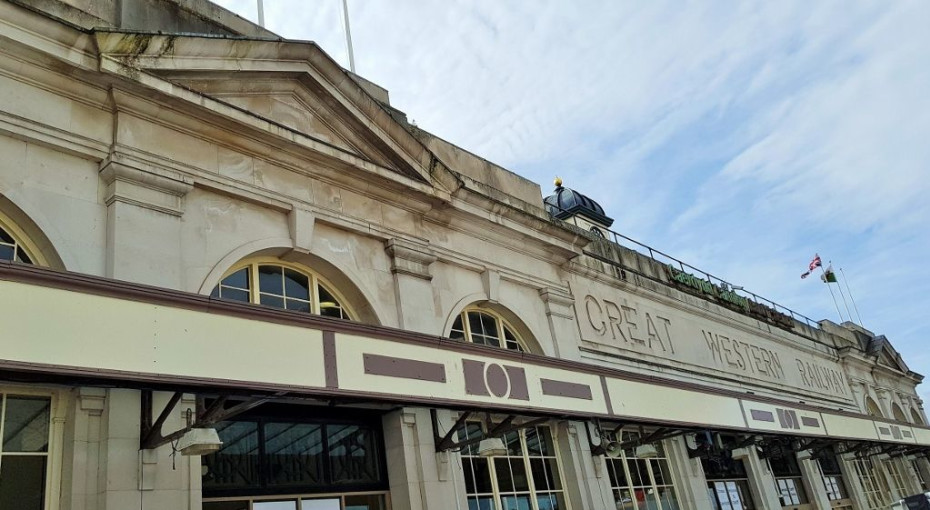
x=815, y=263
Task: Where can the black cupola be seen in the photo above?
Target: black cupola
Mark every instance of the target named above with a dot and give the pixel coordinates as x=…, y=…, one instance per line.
x=566, y=203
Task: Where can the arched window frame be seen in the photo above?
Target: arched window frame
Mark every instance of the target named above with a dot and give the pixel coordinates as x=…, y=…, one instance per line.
x=916, y=417
x=897, y=413
x=465, y=331
x=872, y=408
x=21, y=241
x=315, y=282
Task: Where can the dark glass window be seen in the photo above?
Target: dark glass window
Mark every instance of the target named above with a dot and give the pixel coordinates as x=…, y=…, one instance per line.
x=24, y=451
x=281, y=287
x=483, y=327
x=268, y=454
x=11, y=249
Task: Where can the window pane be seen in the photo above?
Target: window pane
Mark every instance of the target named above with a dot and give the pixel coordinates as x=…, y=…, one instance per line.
x=481, y=503
x=520, y=480
x=521, y=502
x=504, y=478
x=234, y=294
x=6, y=252
x=369, y=502
x=490, y=325
x=329, y=305
x=273, y=301
x=538, y=467
x=458, y=330
x=6, y=237
x=275, y=505
x=482, y=475
x=225, y=505
x=236, y=464
x=469, y=476
x=552, y=474
x=21, y=256
x=25, y=426
x=320, y=504
x=353, y=454
x=239, y=279
x=22, y=482
x=296, y=285
x=512, y=441
x=474, y=323
x=294, y=453
x=270, y=280
x=299, y=306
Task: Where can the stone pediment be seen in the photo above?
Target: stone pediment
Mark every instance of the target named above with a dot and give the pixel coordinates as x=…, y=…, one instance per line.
x=294, y=85
x=287, y=101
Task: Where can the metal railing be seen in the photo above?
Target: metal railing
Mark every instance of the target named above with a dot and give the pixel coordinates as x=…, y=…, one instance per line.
x=654, y=254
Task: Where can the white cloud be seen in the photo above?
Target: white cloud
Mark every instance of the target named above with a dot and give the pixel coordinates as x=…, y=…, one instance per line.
x=740, y=137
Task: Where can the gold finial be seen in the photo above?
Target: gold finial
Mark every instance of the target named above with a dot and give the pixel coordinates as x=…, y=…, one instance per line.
x=558, y=182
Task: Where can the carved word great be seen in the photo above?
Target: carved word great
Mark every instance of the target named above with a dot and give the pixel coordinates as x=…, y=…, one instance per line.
x=735, y=354
x=626, y=324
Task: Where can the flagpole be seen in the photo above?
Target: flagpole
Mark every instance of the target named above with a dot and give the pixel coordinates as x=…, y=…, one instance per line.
x=832, y=295
x=855, y=306
x=345, y=14
x=839, y=288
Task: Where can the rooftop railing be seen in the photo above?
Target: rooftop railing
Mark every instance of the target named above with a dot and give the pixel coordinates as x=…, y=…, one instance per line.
x=664, y=258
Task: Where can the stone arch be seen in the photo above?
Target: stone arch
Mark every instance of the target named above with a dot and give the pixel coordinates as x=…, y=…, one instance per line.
x=916, y=418
x=347, y=282
x=871, y=408
x=479, y=300
x=34, y=227
x=897, y=413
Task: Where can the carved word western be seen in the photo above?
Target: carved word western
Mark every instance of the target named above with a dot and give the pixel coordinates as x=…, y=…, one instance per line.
x=735, y=354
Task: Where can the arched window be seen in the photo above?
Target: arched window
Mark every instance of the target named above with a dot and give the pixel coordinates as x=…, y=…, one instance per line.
x=898, y=413
x=915, y=415
x=278, y=284
x=483, y=326
x=872, y=409
x=13, y=245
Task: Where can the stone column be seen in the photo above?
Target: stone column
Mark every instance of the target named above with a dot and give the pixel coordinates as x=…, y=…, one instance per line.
x=688, y=473
x=144, y=209
x=561, y=316
x=421, y=478
x=761, y=481
x=413, y=292
x=586, y=482
x=813, y=481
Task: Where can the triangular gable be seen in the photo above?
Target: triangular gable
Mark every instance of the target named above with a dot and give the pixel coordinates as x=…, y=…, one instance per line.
x=890, y=357
x=291, y=84
x=284, y=101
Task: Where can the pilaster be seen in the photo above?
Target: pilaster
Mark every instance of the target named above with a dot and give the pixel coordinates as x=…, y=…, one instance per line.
x=144, y=209
x=410, y=262
x=761, y=481
x=813, y=481
x=561, y=317
x=421, y=478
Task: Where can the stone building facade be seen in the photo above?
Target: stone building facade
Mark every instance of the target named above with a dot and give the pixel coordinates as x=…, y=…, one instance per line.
x=206, y=228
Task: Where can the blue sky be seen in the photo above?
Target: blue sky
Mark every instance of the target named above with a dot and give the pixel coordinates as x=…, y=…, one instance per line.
x=739, y=137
